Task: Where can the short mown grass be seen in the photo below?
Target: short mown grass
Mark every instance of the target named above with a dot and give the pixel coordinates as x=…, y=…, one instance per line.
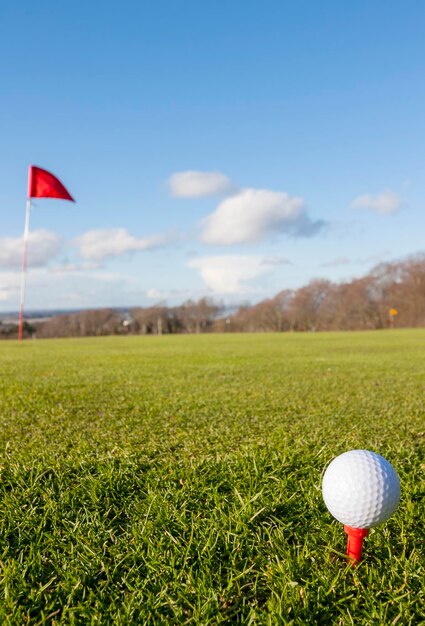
x=177, y=479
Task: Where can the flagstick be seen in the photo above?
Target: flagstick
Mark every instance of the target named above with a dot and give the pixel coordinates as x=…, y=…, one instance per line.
x=24, y=269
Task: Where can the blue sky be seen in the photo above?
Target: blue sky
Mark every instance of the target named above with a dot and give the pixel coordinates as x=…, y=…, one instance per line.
x=228, y=149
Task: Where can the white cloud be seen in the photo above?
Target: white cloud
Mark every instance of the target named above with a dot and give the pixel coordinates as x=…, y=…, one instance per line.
x=51, y=290
x=253, y=214
x=43, y=246
x=9, y=287
x=165, y=294
x=275, y=260
x=10, y=283
x=67, y=268
x=341, y=260
x=384, y=203
x=97, y=245
x=194, y=184
x=229, y=274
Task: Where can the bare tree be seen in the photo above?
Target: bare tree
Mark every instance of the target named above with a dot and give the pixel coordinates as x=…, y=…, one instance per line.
x=82, y=324
x=154, y=320
x=198, y=317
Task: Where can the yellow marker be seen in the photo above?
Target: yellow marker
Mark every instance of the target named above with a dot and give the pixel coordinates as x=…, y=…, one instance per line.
x=393, y=312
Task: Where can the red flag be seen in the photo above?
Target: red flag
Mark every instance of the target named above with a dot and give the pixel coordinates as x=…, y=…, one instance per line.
x=42, y=184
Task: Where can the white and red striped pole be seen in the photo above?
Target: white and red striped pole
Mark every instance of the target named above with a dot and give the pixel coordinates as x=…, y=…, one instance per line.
x=24, y=269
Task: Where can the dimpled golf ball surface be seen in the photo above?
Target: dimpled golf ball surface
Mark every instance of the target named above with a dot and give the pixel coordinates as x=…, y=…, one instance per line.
x=361, y=489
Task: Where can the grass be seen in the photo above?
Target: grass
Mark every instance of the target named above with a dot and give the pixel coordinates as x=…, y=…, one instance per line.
x=176, y=480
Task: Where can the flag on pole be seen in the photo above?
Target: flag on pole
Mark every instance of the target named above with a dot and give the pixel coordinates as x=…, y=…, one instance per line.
x=43, y=184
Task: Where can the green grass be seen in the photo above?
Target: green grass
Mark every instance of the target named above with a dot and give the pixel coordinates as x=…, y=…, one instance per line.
x=176, y=480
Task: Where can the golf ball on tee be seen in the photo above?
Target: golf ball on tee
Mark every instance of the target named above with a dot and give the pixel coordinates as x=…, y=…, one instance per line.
x=361, y=489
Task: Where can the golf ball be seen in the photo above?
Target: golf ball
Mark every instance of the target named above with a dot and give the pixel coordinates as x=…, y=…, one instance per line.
x=361, y=489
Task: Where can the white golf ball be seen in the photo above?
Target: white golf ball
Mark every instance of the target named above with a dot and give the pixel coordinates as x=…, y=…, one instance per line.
x=361, y=489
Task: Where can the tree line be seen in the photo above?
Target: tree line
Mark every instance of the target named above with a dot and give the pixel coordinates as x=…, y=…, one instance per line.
x=391, y=295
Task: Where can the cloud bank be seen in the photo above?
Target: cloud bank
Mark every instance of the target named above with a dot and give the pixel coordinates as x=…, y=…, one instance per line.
x=384, y=203
x=51, y=290
x=43, y=246
x=100, y=244
x=229, y=274
x=193, y=184
x=165, y=294
x=252, y=215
